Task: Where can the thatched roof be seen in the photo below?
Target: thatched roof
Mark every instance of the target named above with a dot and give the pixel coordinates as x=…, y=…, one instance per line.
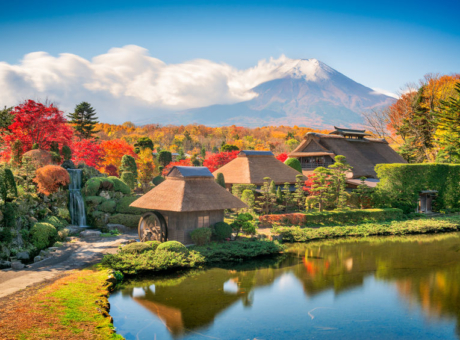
x=251, y=167
x=188, y=189
x=362, y=154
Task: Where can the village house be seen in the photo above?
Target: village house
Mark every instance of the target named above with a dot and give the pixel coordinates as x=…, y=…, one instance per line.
x=189, y=198
x=251, y=167
x=361, y=152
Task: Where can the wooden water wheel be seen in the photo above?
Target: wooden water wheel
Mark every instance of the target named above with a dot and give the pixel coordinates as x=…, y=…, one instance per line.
x=152, y=227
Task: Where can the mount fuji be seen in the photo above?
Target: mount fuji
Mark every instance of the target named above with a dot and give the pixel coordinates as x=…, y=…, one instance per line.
x=306, y=92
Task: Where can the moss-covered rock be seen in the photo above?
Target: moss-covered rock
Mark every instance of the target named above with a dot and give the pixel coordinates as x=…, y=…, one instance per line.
x=94, y=200
x=124, y=208
x=56, y=222
x=108, y=206
x=131, y=221
x=119, y=185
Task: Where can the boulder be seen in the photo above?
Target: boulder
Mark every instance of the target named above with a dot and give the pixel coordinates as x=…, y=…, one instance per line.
x=17, y=265
x=52, y=249
x=43, y=253
x=72, y=229
x=90, y=233
x=23, y=255
x=5, y=264
x=37, y=258
x=105, y=194
x=120, y=227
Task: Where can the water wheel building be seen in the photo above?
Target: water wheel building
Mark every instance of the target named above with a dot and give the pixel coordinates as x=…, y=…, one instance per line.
x=189, y=198
x=251, y=167
x=362, y=153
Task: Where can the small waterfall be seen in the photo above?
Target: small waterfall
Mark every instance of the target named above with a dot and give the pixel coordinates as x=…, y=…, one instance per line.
x=76, y=204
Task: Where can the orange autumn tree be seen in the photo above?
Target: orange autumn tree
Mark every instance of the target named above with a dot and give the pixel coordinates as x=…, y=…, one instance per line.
x=113, y=151
x=50, y=178
x=145, y=168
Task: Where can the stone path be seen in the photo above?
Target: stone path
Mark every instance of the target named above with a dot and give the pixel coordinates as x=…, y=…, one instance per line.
x=77, y=254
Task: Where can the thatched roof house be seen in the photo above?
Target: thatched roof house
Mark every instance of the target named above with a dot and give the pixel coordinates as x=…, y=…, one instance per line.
x=251, y=167
x=189, y=198
x=361, y=152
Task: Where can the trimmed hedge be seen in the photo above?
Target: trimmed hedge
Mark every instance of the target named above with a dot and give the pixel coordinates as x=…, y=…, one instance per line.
x=201, y=236
x=136, y=248
x=107, y=206
x=421, y=226
x=93, y=185
x=173, y=246
x=130, y=221
x=332, y=217
x=221, y=231
x=400, y=184
x=294, y=163
x=95, y=200
x=43, y=235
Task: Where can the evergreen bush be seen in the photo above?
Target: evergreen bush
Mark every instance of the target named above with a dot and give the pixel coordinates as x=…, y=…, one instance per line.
x=220, y=179
x=130, y=221
x=136, y=248
x=43, y=235
x=222, y=231
x=129, y=179
x=294, y=163
x=153, y=244
x=173, y=246
x=201, y=236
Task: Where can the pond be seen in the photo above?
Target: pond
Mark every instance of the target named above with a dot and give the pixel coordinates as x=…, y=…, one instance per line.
x=373, y=288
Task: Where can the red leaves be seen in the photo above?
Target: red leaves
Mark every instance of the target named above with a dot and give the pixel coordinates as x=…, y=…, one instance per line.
x=37, y=123
x=282, y=157
x=50, y=178
x=218, y=160
x=88, y=151
x=114, y=150
x=182, y=162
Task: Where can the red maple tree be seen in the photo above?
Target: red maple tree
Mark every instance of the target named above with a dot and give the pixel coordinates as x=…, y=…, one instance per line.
x=218, y=160
x=282, y=157
x=35, y=123
x=182, y=162
x=88, y=151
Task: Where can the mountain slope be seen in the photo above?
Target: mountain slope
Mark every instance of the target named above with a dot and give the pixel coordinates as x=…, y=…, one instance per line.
x=307, y=92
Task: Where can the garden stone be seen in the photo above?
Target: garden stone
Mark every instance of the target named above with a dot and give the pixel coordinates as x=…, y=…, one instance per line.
x=105, y=194
x=37, y=258
x=44, y=253
x=23, y=255
x=72, y=229
x=90, y=233
x=121, y=228
x=17, y=265
x=5, y=264
x=53, y=249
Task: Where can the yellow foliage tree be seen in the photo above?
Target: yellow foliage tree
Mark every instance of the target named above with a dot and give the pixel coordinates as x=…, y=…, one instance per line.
x=145, y=168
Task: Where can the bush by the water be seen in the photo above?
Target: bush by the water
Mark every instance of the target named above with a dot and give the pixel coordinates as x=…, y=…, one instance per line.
x=153, y=244
x=221, y=231
x=162, y=259
x=201, y=236
x=43, y=235
x=420, y=226
x=173, y=246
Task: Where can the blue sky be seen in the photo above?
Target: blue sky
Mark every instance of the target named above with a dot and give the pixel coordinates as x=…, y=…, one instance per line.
x=379, y=44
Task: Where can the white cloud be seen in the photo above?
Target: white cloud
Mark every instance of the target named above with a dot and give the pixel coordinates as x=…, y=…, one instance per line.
x=126, y=83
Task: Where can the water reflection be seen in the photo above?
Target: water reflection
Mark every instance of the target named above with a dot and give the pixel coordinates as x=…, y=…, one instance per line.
x=424, y=271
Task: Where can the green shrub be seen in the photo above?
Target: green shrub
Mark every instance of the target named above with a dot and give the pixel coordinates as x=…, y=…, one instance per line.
x=419, y=226
x=64, y=214
x=57, y=244
x=243, y=222
x=201, y=236
x=173, y=246
x=124, y=208
x=119, y=185
x=136, y=248
x=129, y=179
x=43, y=235
x=56, y=222
x=157, y=180
x=153, y=244
x=400, y=184
x=221, y=179
x=66, y=152
x=294, y=163
x=222, y=231
x=92, y=186
x=107, y=206
x=130, y=221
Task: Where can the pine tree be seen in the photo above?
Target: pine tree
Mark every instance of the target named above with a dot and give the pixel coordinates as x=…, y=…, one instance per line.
x=267, y=201
x=338, y=172
x=299, y=193
x=287, y=195
x=248, y=198
x=84, y=120
x=220, y=179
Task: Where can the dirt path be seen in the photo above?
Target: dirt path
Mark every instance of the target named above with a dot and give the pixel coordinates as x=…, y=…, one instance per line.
x=73, y=256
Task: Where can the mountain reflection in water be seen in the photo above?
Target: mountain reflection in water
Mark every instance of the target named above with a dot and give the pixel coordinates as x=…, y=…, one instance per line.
x=388, y=287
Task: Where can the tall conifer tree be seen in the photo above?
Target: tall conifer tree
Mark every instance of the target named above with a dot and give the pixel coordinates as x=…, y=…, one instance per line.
x=84, y=120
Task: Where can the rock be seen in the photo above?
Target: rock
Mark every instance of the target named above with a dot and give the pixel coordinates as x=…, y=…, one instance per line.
x=53, y=249
x=105, y=194
x=23, y=255
x=72, y=229
x=17, y=265
x=120, y=227
x=43, y=253
x=112, y=279
x=90, y=233
x=5, y=264
x=37, y=258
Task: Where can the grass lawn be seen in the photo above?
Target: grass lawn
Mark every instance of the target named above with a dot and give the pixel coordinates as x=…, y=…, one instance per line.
x=73, y=307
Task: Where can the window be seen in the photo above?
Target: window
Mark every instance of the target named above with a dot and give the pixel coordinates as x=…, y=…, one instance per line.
x=203, y=221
